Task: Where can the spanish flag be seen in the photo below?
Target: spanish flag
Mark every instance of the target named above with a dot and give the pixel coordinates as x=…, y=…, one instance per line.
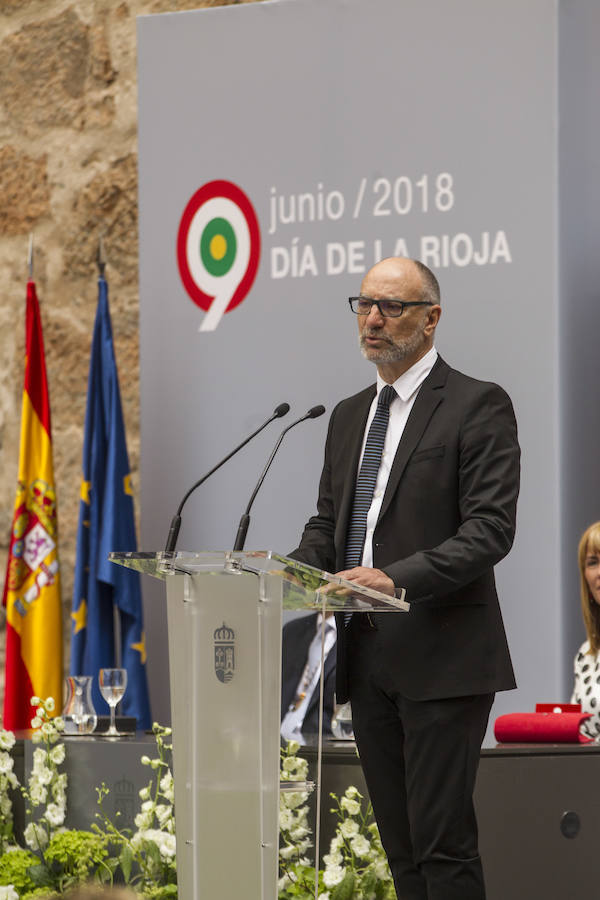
x=31, y=596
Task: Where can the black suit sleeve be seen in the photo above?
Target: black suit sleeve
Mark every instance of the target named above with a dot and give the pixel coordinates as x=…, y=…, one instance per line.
x=317, y=545
x=488, y=487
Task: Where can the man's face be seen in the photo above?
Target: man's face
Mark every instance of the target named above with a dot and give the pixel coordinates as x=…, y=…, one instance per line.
x=385, y=339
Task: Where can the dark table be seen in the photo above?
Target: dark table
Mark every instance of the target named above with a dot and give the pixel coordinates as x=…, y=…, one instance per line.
x=538, y=807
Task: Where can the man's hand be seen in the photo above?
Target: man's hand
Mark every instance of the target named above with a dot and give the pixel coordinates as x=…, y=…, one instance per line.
x=371, y=578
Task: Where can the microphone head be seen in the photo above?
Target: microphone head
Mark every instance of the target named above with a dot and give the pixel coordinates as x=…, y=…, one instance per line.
x=315, y=412
x=281, y=410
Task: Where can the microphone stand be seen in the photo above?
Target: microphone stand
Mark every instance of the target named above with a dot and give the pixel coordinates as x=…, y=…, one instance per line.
x=281, y=410
x=240, y=538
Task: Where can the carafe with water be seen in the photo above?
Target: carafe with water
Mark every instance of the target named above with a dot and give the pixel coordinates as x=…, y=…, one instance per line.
x=79, y=713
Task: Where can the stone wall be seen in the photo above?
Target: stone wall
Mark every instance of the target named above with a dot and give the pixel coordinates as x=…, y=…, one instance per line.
x=68, y=174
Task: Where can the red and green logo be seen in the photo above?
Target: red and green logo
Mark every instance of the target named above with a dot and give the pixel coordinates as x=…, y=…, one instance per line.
x=218, y=249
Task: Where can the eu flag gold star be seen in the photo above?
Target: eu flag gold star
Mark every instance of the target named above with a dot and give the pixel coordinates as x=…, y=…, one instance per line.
x=141, y=648
x=80, y=616
x=84, y=493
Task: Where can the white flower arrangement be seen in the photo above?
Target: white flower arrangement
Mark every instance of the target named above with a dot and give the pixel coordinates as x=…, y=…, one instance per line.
x=297, y=874
x=333, y=875
x=58, y=858
x=147, y=858
x=46, y=784
x=350, y=805
x=348, y=828
x=8, y=783
x=7, y=740
x=35, y=836
x=356, y=867
x=167, y=786
x=7, y=892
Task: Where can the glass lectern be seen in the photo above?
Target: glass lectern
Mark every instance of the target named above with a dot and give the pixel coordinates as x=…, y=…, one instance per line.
x=224, y=613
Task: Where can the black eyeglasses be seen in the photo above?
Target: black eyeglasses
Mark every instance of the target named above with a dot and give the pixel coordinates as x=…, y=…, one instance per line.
x=388, y=308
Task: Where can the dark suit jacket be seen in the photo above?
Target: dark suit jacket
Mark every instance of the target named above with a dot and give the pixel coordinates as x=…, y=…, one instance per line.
x=447, y=517
x=296, y=639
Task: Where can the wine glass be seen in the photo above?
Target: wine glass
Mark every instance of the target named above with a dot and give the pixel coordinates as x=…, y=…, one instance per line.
x=112, y=684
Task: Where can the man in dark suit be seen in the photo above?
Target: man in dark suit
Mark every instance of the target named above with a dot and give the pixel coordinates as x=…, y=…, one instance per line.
x=439, y=516
x=300, y=682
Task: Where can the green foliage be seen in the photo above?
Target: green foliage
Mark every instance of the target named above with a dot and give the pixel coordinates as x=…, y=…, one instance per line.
x=41, y=876
x=345, y=889
x=71, y=858
x=41, y=893
x=146, y=859
x=68, y=858
x=14, y=869
x=160, y=892
x=74, y=856
x=126, y=862
x=355, y=867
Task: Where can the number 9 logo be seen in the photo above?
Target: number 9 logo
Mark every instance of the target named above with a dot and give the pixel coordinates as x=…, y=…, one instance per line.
x=218, y=249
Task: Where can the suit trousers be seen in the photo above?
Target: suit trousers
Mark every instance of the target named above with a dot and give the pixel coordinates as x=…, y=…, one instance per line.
x=420, y=760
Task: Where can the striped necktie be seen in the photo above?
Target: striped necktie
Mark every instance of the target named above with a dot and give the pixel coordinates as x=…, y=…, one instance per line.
x=367, y=476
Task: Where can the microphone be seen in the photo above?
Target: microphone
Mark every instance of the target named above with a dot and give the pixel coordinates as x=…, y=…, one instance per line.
x=240, y=539
x=280, y=411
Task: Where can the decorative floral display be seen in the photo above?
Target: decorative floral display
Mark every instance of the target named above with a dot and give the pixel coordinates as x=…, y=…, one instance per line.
x=46, y=791
x=296, y=869
x=147, y=859
x=56, y=858
x=356, y=867
x=8, y=783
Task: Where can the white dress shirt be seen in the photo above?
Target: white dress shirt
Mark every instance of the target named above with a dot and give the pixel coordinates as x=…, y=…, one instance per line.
x=291, y=726
x=406, y=388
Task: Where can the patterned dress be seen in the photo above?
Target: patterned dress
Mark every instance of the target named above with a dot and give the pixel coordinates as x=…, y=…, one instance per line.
x=587, y=689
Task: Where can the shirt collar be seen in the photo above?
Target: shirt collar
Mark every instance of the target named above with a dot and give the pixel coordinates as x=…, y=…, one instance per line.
x=413, y=378
x=329, y=623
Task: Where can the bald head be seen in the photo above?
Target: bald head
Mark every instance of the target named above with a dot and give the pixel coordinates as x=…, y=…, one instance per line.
x=400, y=277
x=395, y=343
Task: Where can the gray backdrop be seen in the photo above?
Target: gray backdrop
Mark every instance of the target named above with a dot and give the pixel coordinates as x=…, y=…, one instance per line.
x=464, y=134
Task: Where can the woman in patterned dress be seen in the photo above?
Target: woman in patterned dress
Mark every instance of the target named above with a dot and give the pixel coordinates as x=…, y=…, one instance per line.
x=586, y=690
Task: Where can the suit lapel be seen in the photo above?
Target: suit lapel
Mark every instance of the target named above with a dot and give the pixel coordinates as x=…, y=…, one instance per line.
x=430, y=395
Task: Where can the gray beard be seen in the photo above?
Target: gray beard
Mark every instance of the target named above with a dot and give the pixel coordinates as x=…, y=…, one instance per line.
x=395, y=351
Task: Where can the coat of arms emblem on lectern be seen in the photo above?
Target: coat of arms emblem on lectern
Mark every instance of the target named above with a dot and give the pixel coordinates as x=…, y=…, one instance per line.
x=224, y=640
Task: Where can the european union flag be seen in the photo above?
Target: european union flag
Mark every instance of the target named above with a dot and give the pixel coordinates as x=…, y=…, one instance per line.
x=104, y=592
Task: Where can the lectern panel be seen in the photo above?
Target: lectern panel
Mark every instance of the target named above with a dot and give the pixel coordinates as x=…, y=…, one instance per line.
x=224, y=635
x=224, y=629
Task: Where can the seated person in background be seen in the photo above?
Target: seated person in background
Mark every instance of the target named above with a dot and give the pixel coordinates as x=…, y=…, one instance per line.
x=587, y=660
x=300, y=682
